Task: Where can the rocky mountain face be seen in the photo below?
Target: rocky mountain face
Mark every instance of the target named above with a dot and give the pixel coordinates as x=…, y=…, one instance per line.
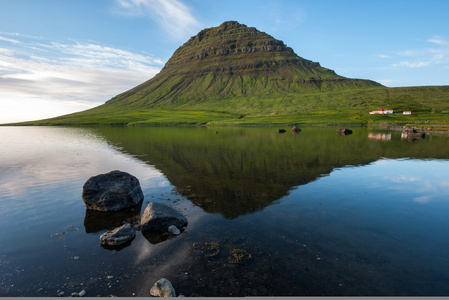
x=235, y=47
x=228, y=62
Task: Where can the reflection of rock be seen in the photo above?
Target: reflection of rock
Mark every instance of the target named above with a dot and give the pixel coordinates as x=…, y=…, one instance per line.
x=112, y=191
x=118, y=236
x=163, y=288
x=96, y=221
x=344, y=131
x=158, y=217
x=156, y=237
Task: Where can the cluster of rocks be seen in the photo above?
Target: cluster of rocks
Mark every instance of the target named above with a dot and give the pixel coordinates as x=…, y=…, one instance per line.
x=117, y=191
x=295, y=129
x=412, y=134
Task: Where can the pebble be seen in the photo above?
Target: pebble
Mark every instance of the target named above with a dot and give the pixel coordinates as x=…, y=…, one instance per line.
x=110, y=276
x=60, y=293
x=74, y=294
x=82, y=293
x=174, y=230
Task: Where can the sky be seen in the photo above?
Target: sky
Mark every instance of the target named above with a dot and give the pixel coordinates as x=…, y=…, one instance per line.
x=59, y=57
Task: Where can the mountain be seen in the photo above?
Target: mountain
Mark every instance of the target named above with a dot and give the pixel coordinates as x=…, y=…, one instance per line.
x=229, y=61
x=235, y=74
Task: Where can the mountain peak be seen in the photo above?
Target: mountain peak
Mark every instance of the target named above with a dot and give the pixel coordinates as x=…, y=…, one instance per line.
x=232, y=61
x=235, y=46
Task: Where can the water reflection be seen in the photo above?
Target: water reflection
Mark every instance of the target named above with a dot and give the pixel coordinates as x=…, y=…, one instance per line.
x=96, y=221
x=241, y=171
x=334, y=214
x=379, y=136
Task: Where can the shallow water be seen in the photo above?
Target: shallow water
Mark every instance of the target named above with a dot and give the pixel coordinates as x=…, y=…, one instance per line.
x=287, y=214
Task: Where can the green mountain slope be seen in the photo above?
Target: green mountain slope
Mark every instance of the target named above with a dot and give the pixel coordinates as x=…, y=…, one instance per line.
x=234, y=74
x=236, y=68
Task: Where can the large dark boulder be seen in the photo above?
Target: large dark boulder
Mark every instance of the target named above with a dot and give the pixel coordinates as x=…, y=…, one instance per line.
x=112, y=191
x=158, y=217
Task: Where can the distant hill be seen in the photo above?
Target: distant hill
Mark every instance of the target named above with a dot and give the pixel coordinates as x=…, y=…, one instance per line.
x=230, y=73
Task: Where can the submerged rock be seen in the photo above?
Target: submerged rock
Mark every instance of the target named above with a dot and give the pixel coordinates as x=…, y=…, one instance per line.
x=118, y=236
x=158, y=217
x=344, y=131
x=163, y=288
x=112, y=191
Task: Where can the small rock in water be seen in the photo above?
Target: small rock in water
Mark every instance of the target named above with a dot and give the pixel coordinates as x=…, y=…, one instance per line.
x=296, y=129
x=118, y=236
x=110, y=276
x=74, y=294
x=163, y=288
x=60, y=293
x=174, y=230
x=158, y=216
x=82, y=293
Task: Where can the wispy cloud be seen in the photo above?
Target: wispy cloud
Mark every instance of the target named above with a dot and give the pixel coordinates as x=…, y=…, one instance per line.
x=172, y=15
x=14, y=41
x=414, y=64
x=438, y=54
x=438, y=40
x=68, y=71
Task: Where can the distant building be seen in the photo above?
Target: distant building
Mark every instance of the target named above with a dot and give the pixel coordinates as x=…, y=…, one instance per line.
x=381, y=112
x=407, y=112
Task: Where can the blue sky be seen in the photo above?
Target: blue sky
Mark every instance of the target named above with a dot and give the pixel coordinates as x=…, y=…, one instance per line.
x=58, y=57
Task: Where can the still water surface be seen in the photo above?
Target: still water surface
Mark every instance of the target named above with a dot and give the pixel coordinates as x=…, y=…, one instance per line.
x=274, y=214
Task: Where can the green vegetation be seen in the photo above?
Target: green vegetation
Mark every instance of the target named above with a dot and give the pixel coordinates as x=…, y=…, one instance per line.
x=428, y=106
x=236, y=75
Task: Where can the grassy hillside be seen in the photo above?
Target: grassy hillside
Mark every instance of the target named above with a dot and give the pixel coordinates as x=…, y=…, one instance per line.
x=351, y=106
x=234, y=74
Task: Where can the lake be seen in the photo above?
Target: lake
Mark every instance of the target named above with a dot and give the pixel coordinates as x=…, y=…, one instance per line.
x=307, y=214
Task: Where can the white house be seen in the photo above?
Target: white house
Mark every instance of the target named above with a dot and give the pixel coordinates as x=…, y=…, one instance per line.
x=381, y=112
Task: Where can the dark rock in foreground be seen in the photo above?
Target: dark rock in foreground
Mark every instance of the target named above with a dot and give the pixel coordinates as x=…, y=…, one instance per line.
x=163, y=288
x=112, y=191
x=280, y=130
x=118, y=236
x=158, y=217
x=344, y=131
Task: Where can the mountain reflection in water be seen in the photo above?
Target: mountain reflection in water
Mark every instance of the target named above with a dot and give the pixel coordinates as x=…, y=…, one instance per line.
x=240, y=171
